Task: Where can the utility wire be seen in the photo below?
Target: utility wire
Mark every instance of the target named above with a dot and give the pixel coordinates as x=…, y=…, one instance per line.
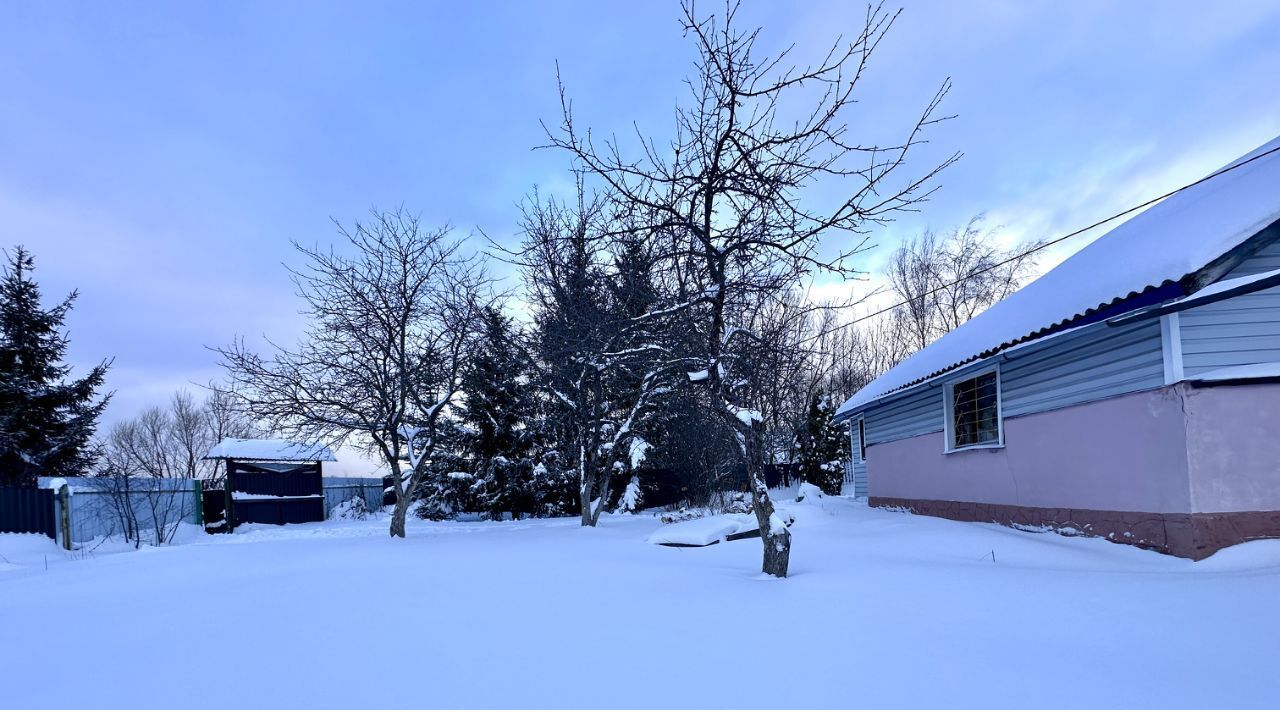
x=1044, y=245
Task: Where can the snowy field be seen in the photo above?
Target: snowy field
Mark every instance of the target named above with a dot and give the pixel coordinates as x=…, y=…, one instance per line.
x=884, y=610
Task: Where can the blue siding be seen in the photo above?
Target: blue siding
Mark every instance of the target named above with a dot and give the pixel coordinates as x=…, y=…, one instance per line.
x=1098, y=362
x=860, y=479
x=915, y=412
x=855, y=470
x=1238, y=331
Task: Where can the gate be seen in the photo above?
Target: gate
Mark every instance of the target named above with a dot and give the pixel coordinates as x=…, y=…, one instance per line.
x=27, y=510
x=214, y=506
x=275, y=494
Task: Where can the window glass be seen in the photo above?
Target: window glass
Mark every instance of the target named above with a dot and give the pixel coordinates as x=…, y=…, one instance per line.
x=975, y=411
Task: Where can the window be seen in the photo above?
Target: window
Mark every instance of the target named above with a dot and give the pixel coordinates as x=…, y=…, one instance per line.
x=858, y=440
x=973, y=412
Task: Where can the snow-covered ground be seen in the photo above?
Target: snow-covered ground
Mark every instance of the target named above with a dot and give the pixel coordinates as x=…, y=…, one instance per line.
x=883, y=610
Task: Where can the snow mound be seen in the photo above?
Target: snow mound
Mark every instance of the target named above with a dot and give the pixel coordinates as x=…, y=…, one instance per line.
x=18, y=550
x=704, y=531
x=351, y=509
x=809, y=493
x=701, y=532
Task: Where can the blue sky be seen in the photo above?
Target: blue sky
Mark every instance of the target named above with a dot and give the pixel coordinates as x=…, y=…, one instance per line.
x=160, y=157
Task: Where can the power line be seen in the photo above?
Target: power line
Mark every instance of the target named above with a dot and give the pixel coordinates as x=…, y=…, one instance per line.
x=1045, y=245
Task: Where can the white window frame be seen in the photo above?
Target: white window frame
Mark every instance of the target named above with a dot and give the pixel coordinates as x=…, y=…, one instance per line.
x=857, y=431
x=949, y=418
x=1171, y=348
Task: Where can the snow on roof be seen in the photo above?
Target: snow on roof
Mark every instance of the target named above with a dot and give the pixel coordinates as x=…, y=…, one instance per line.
x=1164, y=244
x=269, y=450
x=1226, y=286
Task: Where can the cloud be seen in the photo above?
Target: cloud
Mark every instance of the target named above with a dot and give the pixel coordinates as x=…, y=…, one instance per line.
x=160, y=159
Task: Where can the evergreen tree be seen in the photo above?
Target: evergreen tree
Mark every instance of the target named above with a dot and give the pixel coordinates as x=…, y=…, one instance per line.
x=822, y=447
x=496, y=419
x=47, y=423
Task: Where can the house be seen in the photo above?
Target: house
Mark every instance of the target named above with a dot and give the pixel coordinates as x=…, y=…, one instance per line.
x=1132, y=392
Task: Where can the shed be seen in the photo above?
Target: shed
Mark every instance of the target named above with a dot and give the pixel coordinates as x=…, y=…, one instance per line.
x=272, y=481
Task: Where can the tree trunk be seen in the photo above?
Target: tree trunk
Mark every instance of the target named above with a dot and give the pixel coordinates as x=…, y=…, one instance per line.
x=602, y=496
x=588, y=519
x=398, y=514
x=776, y=539
x=586, y=486
x=777, y=542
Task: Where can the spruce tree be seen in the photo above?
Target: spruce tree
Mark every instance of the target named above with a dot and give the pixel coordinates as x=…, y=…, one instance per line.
x=47, y=421
x=822, y=447
x=496, y=418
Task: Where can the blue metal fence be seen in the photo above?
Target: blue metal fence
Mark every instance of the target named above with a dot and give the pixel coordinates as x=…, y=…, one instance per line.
x=27, y=510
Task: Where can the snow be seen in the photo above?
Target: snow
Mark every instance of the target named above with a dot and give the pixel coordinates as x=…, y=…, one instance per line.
x=882, y=610
x=237, y=495
x=776, y=524
x=809, y=493
x=269, y=450
x=639, y=449
x=631, y=496
x=1255, y=371
x=704, y=531
x=746, y=416
x=1172, y=239
x=23, y=551
x=1225, y=285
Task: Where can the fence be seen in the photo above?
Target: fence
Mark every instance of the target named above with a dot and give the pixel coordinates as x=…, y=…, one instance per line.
x=110, y=506
x=338, y=490
x=27, y=510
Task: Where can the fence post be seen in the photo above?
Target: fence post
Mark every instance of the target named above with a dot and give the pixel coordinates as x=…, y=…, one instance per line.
x=198, y=490
x=64, y=500
x=229, y=507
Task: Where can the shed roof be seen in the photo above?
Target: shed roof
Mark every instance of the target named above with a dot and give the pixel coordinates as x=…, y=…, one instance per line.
x=269, y=450
x=1165, y=244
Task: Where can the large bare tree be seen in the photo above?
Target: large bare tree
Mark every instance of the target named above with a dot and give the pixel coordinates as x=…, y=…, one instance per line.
x=732, y=189
x=944, y=280
x=390, y=320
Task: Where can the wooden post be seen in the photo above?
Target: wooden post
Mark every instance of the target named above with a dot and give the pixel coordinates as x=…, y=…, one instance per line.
x=64, y=500
x=229, y=507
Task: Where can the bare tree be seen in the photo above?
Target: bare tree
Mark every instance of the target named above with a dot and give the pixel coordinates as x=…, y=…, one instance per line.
x=224, y=419
x=804, y=346
x=389, y=327
x=189, y=430
x=943, y=281
x=730, y=192
x=146, y=469
x=859, y=354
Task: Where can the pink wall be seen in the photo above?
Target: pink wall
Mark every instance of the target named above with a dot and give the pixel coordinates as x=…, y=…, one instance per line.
x=1126, y=453
x=1233, y=445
